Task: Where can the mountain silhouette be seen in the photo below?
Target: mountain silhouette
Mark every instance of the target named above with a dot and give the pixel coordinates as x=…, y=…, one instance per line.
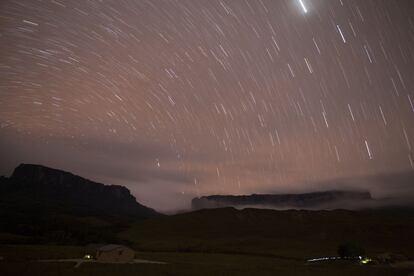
x=39, y=201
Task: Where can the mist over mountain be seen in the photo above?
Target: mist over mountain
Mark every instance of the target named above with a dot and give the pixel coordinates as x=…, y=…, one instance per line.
x=315, y=200
x=394, y=189
x=396, y=185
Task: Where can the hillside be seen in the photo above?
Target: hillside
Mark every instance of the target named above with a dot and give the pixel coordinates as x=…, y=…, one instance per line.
x=287, y=234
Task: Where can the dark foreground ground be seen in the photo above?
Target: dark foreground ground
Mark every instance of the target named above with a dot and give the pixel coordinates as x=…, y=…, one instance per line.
x=231, y=242
x=22, y=262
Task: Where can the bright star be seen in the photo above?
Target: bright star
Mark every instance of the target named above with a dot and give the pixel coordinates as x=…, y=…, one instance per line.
x=305, y=10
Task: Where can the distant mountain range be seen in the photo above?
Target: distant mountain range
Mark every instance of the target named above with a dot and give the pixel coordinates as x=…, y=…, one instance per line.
x=47, y=205
x=40, y=201
x=316, y=200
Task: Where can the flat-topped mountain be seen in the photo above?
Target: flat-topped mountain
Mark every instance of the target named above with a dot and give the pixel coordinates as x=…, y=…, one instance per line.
x=51, y=188
x=49, y=205
x=315, y=200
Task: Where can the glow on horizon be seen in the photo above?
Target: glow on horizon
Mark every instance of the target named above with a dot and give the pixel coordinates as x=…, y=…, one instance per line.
x=305, y=10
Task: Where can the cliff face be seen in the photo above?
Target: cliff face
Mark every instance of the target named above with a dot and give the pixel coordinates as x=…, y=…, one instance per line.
x=295, y=201
x=48, y=189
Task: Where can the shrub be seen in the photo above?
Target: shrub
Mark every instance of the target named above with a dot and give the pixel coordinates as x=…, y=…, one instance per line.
x=350, y=249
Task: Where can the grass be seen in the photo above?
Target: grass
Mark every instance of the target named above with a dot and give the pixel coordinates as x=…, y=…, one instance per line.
x=231, y=242
x=25, y=253
x=179, y=264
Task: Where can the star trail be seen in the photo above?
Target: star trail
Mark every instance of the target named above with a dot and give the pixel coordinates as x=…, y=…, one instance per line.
x=180, y=98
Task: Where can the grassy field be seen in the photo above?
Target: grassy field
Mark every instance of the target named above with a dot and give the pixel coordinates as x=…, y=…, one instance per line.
x=21, y=261
x=231, y=242
x=25, y=253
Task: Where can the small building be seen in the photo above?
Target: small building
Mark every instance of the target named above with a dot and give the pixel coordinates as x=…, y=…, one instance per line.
x=113, y=253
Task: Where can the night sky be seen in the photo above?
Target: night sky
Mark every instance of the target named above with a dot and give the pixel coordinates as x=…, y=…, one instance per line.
x=176, y=99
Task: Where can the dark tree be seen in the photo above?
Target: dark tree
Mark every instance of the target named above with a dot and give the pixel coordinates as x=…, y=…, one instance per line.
x=350, y=249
